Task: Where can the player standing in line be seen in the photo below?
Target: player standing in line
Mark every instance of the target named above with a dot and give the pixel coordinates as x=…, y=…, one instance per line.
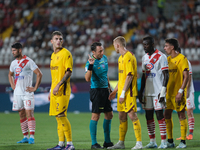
x=154, y=80
x=61, y=69
x=176, y=90
x=190, y=103
x=127, y=92
x=20, y=77
x=96, y=70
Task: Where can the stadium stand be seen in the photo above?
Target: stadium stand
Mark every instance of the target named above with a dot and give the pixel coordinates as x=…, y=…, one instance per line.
x=83, y=22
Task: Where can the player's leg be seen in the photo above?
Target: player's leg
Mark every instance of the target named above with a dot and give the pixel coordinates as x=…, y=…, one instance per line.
x=149, y=112
x=169, y=127
x=162, y=126
x=93, y=130
x=190, y=123
x=123, y=126
x=107, y=129
x=137, y=127
x=31, y=125
x=190, y=108
x=18, y=105
x=24, y=126
x=29, y=104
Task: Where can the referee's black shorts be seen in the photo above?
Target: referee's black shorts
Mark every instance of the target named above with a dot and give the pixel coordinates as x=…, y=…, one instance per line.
x=100, y=101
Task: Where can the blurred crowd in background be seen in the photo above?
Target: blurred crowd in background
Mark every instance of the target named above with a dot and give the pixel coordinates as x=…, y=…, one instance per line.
x=83, y=22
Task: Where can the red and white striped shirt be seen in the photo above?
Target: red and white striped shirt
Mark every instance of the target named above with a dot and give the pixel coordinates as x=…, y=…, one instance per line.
x=23, y=71
x=153, y=66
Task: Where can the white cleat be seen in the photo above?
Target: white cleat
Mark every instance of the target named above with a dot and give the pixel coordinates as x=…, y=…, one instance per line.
x=163, y=145
x=151, y=145
x=138, y=146
x=118, y=145
x=181, y=145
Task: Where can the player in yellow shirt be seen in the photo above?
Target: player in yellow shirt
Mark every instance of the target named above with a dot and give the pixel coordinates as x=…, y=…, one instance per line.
x=176, y=90
x=127, y=92
x=61, y=69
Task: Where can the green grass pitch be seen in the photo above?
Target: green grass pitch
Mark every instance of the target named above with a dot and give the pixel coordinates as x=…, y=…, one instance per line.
x=46, y=132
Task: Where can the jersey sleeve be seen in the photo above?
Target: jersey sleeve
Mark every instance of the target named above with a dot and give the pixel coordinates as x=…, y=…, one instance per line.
x=11, y=67
x=68, y=61
x=86, y=66
x=32, y=65
x=130, y=65
x=164, y=63
x=184, y=65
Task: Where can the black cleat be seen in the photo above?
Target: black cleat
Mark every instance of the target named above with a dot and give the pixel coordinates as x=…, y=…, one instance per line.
x=105, y=145
x=96, y=146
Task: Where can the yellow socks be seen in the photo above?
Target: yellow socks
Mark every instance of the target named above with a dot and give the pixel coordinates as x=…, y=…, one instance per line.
x=183, y=124
x=122, y=130
x=137, y=130
x=61, y=135
x=169, y=128
x=66, y=128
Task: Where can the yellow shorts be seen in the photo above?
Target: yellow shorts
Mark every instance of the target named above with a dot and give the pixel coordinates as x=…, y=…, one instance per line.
x=128, y=104
x=171, y=103
x=58, y=104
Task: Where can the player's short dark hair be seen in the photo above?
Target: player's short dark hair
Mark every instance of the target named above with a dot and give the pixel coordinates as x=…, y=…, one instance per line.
x=56, y=33
x=149, y=38
x=179, y=50
x=17, y=45
x=173, y=42
x=94, y=45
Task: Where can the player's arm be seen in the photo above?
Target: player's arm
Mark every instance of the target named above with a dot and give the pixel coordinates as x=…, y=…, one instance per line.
x=184, y=84
x=113, y=93
x=63, y=80
x=188, y=85
x=143, y=81
x=88, y=74
x=38, y=81
x=109, y=87
x=163, y=90
x=11, y=79
x=127, y=84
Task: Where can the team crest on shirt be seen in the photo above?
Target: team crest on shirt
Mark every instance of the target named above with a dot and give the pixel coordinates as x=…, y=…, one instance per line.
x=18, y=70
x=102, y=65
x=149, y=66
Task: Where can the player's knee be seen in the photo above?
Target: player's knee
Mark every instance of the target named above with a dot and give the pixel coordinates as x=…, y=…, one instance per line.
x=159, y=114
x=149, y=114
x=109, y=115
x=61, y=115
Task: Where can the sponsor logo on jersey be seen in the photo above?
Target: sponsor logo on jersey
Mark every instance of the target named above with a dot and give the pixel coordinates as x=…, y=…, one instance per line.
x=102, y=65
x=18, y=70
x=19, y=77
x=54, y=67
x=149, y=66
x=150, y=75
x=172, y=70
x=121, y=71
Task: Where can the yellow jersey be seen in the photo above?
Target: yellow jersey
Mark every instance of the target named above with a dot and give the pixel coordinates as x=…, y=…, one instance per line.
x=127, y=65
x=176, y=65
x=61, y=62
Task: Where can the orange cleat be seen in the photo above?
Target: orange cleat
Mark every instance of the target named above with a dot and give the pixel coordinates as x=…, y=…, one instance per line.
x=178, y=138
x=189, y=137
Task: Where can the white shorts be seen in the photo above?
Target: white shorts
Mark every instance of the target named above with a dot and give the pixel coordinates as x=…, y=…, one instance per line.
x=23, y=102
x=190, y=101
x=152, y=102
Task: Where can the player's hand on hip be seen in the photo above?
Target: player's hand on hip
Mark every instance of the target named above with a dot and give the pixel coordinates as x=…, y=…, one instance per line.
x=56, y=89
x=178, y=98
x=30, y=89
x=91, y=60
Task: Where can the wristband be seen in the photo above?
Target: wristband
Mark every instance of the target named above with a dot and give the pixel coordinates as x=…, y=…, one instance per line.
x=90, y=67
x=122, y=94
x=162, y=92
x=180, y=91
